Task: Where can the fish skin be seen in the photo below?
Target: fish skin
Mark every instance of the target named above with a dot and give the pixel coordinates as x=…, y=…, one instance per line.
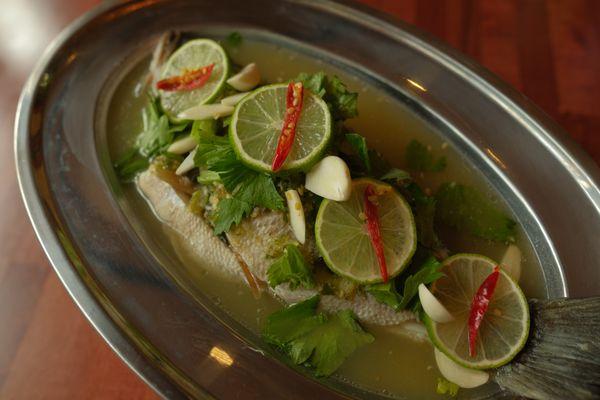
x=171, y=208
x=251, y=240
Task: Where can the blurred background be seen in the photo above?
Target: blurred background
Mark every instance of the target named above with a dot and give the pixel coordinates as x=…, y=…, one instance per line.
x=548, y=50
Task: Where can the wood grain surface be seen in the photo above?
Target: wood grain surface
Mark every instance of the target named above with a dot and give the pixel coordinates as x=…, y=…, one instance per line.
x=549, y=50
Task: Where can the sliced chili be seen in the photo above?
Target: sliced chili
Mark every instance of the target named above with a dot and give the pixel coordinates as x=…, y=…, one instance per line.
x=374, y=231
x=187, y=81
x=293, y=107
x=479, y=307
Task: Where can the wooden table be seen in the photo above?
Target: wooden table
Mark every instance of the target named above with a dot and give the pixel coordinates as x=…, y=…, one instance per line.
x=548, y=50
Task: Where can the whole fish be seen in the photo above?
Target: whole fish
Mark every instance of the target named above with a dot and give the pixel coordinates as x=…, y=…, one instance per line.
x=251, y=240
x=560, y=361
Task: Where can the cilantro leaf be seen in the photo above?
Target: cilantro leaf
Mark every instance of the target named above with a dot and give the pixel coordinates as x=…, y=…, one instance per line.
x=465, y=208
x=203, y=129
x=395, y=175
x=253, y=190
x=444, y=386
x=230, y=211
x=234, y=39
x=260, y=191
x=428, y=272
x=425, y=221
x=386, y=293
x=292, y=322
x=327, y=346
x=419, y=158
x=342, y=102
x=424, y=209
x=157, y=133
x=207, y=177
x=290, y=267
x=247, y=187
x=128, y=166
x=314, y=82
x=359, y=145
x=316, y=340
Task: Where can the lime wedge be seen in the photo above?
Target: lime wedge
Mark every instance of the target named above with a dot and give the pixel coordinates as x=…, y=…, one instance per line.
x=256, y=126
x=505, y=327
x=344, y=242
x=193, y=55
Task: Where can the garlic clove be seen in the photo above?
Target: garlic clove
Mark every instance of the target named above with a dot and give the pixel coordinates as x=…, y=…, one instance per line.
x=182, y=146
x=206, y=111
x=432, y=306
x=296, y=211
x=246, y=79
x=330, y=178
x=464, y=377
x=187, y=164
x=511, y=262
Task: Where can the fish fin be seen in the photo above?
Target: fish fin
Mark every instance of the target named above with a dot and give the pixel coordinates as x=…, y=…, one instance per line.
x=561, y=359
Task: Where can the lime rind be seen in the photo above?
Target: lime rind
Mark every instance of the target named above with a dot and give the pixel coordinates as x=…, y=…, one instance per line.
x=514, y=347
x=362, y=241
x=194, y=54
x=257, y=116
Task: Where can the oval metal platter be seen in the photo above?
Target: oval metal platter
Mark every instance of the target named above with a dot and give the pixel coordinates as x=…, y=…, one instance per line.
x=114, y=272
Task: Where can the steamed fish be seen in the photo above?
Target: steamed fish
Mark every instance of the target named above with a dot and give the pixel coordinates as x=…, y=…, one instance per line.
x=252, y=240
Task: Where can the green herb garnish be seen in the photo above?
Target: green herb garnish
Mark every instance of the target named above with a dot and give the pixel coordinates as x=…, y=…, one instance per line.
x=341, y=101
x=205, y=128
x=419, y=158
x=207, y=177
x=394, y=175
x=247, y=187
x=292, y=268
x=444, y=386
x=465, y=208
x=386, y=293
x=359, y=145
x=234, y=39
x=129, y=165
x=319, y=341
x=157, y=133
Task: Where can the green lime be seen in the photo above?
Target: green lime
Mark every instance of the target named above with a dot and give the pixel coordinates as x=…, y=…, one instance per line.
x=256, y=126
x=505, y=327
x=344, y=242
x=194, y=54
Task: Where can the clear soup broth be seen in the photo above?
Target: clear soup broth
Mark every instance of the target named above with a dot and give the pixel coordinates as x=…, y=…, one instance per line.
x=392, y=365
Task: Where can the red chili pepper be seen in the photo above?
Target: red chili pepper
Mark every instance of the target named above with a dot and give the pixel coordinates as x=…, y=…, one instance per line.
x=374, y=231
x=293, y=107
x=189, y=80
x=479, y=307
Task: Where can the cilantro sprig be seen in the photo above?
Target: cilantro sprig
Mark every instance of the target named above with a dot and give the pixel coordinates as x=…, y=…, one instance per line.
x=291, y=267
x=341, y=101
x=248, y=188
x=387, y=293
x=319, y=341
x=156, y=136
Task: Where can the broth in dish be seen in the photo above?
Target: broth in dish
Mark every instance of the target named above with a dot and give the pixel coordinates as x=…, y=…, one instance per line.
x=321, y=213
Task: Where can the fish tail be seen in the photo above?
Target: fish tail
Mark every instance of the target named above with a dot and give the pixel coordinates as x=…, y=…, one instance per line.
x=561, y=359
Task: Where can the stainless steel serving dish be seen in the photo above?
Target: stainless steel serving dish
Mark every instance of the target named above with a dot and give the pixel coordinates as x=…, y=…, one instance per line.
x=117, y=279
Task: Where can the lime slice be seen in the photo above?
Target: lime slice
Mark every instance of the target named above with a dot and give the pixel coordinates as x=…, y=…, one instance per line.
x=505, y=327
x=256, y=126
x=193, y=55
x=344, y=242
